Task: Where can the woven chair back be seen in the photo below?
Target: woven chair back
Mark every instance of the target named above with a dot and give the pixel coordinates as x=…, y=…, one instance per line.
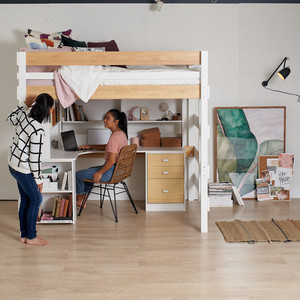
x=124, y=165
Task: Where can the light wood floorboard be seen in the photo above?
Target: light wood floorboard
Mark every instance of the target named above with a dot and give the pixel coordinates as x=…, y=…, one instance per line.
x=153, y=255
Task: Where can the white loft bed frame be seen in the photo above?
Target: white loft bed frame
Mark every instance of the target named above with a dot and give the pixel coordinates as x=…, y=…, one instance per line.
x=198, y=120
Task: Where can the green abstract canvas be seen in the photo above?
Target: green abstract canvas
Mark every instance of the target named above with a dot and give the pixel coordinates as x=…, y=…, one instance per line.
x=241, y=135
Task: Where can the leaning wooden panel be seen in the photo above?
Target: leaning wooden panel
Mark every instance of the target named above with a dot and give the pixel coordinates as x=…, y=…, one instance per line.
x=131, y=91
x=114, y=58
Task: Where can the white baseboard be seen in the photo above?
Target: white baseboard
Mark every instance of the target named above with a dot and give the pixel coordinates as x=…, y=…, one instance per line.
x=9, y=193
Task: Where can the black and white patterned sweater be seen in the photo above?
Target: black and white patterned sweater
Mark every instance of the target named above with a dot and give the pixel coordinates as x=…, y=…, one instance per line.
x=25, y=152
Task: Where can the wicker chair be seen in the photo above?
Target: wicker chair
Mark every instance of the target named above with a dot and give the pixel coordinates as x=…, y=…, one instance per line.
x=122, y=171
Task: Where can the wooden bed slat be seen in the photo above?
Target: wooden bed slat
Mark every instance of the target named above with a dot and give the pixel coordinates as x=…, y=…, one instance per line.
x=131, y=92
x=114, y=58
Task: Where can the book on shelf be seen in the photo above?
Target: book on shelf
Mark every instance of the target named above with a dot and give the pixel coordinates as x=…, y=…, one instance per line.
x=64, y=181
x=69, y=180
x=66, y=206
x=54, y=206
x=61, y=208
x=58, y=207
x=70, y=213
x=82, y=114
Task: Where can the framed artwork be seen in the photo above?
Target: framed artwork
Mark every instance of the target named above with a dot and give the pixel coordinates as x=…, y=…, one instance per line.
x=144, y=113
x=242, y=134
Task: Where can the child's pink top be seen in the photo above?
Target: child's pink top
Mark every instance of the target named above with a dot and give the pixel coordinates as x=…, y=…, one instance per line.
x=116, y=142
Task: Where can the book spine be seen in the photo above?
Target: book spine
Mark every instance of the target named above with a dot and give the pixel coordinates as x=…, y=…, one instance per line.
x=70, y=206
x=64, y=181
x=54, y=206
x=66, y=206
x=62, y=206
x=57, y=208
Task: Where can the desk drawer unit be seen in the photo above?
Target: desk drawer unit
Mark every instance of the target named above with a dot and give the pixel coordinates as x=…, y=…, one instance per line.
x=165, y=178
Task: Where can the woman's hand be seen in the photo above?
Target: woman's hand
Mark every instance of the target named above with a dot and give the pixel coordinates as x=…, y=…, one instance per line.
x=85, y=147
x=97, y=177
x=30, y=100
x=40, y=187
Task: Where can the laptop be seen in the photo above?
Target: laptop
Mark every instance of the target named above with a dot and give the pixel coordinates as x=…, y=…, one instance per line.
x=69, y=140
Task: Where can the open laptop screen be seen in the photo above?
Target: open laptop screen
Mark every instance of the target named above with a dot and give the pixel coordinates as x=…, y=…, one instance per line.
x=69, y=140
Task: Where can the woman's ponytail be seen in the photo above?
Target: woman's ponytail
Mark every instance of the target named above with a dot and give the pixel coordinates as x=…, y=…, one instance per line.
x=121, y=117
x=40, y=111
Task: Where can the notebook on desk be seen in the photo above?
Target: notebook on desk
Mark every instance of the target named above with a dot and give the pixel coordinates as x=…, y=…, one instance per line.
x=69, y=140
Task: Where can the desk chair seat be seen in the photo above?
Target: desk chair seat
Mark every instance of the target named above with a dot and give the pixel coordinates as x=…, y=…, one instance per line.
x=117, y=184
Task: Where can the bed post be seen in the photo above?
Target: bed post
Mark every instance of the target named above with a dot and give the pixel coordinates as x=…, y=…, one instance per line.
x=203, y=142
x=21, y=89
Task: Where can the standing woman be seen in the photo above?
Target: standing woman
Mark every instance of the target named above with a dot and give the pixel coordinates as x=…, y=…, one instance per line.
x=116, y=121
x=24, y=161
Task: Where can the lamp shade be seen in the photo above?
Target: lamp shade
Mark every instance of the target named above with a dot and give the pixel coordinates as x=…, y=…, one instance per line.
x=284, y=73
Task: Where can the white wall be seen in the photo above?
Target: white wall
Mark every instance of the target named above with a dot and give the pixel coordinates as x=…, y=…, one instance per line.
x=245, y=43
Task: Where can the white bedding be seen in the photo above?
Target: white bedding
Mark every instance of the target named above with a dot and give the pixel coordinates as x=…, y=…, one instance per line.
x=136, y=75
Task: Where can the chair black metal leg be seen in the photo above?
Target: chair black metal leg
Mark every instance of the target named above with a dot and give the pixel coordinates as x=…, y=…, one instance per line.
x=87, y=192
x=102, y=195
x=113, y=207
x=130, y=198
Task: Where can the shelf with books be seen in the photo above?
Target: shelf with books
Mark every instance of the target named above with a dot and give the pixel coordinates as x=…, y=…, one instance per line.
x=57, y=184
x=59, y=209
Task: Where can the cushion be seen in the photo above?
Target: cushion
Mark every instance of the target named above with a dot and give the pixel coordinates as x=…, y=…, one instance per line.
x=71, y=43
x=39, y=40
x=109, y=46
x=85, y=49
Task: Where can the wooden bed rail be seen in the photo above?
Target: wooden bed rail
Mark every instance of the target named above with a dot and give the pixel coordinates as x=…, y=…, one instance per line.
x=131, y=92
x=114, y=58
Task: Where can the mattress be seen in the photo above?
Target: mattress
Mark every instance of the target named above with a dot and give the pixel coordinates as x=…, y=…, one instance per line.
x=133, y=75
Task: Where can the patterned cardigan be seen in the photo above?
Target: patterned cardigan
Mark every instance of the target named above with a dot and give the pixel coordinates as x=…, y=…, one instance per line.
x=25, y=151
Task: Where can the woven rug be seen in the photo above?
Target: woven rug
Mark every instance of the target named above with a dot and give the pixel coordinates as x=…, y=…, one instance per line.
x=239, y=231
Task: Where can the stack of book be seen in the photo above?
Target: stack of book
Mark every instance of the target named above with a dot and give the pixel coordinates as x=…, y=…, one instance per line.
x=75, y=112
x=61, y=210
x=220, y=194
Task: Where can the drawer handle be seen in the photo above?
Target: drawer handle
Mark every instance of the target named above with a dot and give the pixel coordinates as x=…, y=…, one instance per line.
x=165, y=191
x=165, y=173
x=165, y=160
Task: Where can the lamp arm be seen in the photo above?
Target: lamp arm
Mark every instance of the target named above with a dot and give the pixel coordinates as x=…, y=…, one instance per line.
x=283, y=92
x=265, y=83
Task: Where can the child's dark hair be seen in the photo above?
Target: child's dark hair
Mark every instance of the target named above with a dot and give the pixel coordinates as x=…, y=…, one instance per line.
x=121, y=116
x=40, y=111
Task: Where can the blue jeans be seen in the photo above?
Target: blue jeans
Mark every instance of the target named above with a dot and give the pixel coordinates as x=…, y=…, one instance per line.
x=88, y=174
x=31, y=200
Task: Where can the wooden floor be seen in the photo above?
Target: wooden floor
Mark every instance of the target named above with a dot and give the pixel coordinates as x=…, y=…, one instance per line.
x=153, y=255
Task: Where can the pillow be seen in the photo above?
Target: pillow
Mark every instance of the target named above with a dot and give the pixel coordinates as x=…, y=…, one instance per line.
x=109, y=46
x=85, y=49
x=39, y=40
x=72, y=43
x=62, y=49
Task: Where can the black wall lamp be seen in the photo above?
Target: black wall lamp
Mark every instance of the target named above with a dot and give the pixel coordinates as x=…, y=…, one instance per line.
x=283, y=74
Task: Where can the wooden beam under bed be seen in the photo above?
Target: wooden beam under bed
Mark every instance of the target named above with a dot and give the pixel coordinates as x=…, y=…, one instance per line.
x=131, y=92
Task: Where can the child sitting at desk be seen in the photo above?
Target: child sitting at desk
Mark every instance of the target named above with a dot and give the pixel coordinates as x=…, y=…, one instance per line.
x=116, y=121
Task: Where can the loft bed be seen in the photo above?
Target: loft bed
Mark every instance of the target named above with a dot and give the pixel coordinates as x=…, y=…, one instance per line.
x=199, y=90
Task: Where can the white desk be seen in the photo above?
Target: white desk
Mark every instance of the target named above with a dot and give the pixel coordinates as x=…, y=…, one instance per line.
x=152, y=175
